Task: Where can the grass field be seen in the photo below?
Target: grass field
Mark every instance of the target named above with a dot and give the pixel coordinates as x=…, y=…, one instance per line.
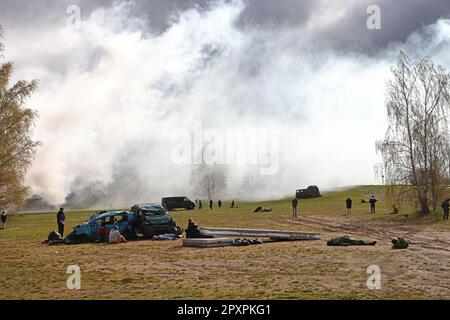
x=282, y=270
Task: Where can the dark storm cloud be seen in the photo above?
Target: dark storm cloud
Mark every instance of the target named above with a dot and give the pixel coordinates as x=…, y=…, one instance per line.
x=277, y=13
x=25, y=13
x=399, y=17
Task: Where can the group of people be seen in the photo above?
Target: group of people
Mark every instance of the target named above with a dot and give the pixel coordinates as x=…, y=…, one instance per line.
x=111, y=236
x=348, y=203
x=199, y=205
x=105, y=234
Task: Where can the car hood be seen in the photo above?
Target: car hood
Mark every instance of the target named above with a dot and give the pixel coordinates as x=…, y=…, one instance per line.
x=158, y=219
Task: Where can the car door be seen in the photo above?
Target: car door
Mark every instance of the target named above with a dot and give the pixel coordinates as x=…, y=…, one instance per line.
x=123, y=223
x=94, y=226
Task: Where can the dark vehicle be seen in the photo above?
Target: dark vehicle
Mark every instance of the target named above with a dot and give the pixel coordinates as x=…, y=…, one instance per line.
x=171, y=203
x=308, y=193
x=152, y=219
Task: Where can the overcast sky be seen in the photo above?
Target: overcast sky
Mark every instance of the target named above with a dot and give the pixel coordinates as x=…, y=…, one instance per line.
x=115, y=89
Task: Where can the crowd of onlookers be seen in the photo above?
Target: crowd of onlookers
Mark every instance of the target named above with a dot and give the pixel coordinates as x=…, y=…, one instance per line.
x=349, y=202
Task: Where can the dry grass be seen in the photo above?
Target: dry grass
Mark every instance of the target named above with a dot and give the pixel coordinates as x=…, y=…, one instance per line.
x=283, y=270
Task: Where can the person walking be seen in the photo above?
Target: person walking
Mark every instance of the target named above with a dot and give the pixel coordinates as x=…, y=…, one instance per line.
x=232, y=204
x=446, y=207
x=348, y=202
x=200, y=207
x=220, y=203
x=60, y=221
x=4, y=218
x=294, y=203
x=210, y=204
x=372, y=204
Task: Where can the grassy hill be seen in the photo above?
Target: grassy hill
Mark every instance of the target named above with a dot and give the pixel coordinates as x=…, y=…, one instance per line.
x=284, y=270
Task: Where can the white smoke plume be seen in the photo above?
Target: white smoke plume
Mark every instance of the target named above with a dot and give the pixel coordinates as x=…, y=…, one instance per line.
x=113, y=93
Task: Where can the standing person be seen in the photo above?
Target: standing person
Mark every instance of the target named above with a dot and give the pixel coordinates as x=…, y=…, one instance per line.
x=232, y=204
x=4, y=218
x=210, y=204
x=60, y=220
x=348, y=202
x=220, y=203
x=294, y=203
x=372, y=204
x=200, y=207
x=446, y=206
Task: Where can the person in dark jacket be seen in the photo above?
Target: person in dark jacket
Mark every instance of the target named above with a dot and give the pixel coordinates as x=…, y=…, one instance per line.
x=348, y=203
x=220, y=203
x=232, y=204
x=200, y=207
x=4, y=218
x=210, y=204
x=372, y=204
x=294, y=204
x=446, y=207
x=60, y=221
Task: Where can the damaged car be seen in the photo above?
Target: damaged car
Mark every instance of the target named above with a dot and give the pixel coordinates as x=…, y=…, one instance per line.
x=152, y=219
x=88, y=231
x=144, y=220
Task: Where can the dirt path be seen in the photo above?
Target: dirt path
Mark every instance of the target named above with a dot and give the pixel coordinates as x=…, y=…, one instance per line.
x=426, y=243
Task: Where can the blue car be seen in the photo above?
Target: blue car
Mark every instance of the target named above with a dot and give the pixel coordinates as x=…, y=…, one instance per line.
x=89, y=230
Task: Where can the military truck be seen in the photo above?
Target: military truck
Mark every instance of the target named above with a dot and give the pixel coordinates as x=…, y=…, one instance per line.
x=171, y=203
x=152, y=219
x=308, y=193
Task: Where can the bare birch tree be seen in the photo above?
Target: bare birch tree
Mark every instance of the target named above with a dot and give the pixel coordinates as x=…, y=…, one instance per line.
x=416, y=147
x=208, y=180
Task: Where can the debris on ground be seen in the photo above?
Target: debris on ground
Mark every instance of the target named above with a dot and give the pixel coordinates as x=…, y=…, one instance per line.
x=400, y=243
x=207, y=242
x=347, y=241
x=219, y=242
x=166, y=236
x=194, y=231
x=245, y=242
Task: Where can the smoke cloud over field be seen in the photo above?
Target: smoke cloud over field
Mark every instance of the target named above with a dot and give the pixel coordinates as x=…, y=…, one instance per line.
x=118, y=90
